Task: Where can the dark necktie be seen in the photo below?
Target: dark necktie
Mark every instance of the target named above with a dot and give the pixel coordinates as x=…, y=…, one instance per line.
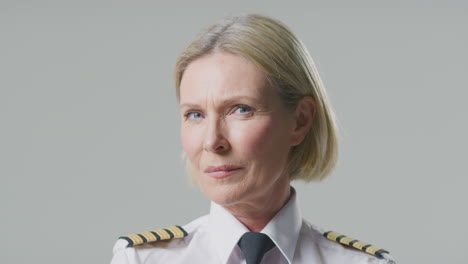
x=254, y=245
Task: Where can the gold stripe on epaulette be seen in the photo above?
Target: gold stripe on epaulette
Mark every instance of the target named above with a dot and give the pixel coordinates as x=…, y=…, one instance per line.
x=373, y=249
x=348, y=241
x=149, y=236
x=359, y=245
x=155, y=235
x=162, y=233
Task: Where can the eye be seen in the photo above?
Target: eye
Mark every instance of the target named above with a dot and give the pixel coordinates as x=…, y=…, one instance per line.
x=244, y=109
x=195, y=115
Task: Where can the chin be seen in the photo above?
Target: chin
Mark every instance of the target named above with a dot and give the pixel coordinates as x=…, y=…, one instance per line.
x=222, y=194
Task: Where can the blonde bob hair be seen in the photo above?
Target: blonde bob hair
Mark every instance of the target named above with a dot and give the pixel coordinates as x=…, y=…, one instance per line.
x=289, y=69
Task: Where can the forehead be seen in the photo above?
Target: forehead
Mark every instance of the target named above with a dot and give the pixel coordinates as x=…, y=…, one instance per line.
x=222, y=75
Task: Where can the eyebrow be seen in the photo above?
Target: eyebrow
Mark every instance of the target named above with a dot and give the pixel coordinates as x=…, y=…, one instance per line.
x=225, y=101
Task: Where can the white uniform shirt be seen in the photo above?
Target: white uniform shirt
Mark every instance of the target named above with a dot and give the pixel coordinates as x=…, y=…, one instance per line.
x=212, y=239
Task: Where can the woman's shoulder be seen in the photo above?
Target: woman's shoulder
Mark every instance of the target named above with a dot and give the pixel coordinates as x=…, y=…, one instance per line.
x=165, y=242
x=335, y=247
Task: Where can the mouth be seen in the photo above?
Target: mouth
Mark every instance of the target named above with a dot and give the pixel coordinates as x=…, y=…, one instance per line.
x=220, y=172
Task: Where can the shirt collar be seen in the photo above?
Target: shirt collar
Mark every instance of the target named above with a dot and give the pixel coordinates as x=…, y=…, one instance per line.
x=225, y=230
x=283, y=229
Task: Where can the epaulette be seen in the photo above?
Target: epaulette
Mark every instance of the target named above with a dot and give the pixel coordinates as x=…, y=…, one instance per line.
x=359, y=245
x=155, y=235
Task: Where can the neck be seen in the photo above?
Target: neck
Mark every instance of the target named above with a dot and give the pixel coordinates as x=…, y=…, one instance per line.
x=256, y=213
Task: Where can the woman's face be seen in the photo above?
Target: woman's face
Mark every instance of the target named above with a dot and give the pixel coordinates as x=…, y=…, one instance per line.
x=230, y=116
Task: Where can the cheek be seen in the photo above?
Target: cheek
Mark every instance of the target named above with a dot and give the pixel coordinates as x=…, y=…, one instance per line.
x=258, y=139
x=190, y=144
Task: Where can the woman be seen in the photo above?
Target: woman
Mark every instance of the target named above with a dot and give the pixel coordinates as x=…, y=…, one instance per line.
x=255, y=116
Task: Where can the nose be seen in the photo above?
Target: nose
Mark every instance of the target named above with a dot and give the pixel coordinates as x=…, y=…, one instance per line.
x=215, y=140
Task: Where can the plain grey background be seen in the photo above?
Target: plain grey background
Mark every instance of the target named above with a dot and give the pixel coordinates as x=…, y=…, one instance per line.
x=89, y=123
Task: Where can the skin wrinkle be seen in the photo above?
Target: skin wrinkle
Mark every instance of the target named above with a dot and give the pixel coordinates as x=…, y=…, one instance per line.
x=259, y=141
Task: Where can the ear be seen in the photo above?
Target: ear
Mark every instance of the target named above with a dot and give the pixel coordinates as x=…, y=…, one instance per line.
x=304, y=115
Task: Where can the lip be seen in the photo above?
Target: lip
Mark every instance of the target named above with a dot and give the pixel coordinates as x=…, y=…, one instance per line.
x=221, y=168
x=219, y=172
